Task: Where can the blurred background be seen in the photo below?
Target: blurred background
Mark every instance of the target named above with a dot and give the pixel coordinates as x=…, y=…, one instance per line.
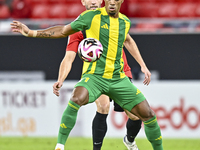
x=167, y=33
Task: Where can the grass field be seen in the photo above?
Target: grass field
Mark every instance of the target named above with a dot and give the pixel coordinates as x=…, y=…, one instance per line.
x=27, y=143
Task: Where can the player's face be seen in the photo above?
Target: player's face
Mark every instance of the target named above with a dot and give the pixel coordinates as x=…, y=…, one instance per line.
x=91, y=4
x=113, y=7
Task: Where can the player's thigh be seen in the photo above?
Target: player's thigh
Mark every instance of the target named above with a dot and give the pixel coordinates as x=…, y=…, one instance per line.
x=103, y=104
x=143, y=111
x=124, y=93
x=80, y=95
x=94, y=86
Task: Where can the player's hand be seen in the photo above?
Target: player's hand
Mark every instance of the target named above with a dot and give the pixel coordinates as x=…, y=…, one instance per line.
x=56, y=88
x=20, y=28
x=147, y=74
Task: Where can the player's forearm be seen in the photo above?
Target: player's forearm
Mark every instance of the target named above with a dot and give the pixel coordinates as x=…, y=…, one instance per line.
x=64, y=71
x=52, y=32
x=134, y=51
x=137, y=56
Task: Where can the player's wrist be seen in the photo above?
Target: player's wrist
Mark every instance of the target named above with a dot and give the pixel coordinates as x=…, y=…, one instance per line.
x=60, y=81
x=32, y=33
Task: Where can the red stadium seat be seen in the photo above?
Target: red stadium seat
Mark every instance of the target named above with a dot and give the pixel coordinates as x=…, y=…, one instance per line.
x=57, y=1
x=72, y=1
x=20, y=9
x=58, y=11
x=197, y=10
x=185, y=1
x=124, y=9
x=40, y=11
x=176, y=1
x=167, y=10
x=4, y=12
x=131, y=1
x=186, y=10
x=146, y=1
x=35, y=2
x=164, y=1
x=74, y=10
x=133, y=10
x=64, y=1
x=148, y=10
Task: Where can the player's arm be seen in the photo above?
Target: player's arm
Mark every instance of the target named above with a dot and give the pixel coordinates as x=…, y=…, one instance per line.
x=65, y=68
x=66, y=65
x=52, y=32
x=134, y=51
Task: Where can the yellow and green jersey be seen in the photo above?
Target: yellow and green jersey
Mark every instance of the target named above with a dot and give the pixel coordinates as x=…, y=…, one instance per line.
x=111, y=32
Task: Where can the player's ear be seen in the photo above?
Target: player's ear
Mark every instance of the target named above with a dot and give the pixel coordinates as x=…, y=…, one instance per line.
x=83, y=2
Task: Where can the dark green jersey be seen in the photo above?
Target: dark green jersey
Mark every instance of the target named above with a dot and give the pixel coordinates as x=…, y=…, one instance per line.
x=111, y=32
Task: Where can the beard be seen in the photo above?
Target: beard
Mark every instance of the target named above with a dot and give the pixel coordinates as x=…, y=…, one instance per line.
x=112, y=13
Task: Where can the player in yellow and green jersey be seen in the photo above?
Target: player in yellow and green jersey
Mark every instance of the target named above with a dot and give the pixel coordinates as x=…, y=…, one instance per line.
x=112, y=33
x=105, y=76
x=99, y=125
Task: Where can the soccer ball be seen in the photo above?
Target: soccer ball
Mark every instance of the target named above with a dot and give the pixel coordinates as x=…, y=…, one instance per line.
x=90, y=49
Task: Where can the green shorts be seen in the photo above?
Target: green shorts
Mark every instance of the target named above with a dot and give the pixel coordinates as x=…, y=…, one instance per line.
x=121, y=90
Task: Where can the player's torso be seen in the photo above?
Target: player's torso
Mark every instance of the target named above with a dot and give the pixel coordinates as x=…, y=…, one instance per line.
x=111, y=32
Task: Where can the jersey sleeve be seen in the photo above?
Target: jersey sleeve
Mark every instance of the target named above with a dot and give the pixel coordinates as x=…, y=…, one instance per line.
x=73, y=41
x=127, y=68
x=79, y=24
x=83, y=22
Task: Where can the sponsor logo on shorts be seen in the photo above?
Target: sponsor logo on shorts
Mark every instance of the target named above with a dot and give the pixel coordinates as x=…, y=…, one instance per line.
x=138, y=92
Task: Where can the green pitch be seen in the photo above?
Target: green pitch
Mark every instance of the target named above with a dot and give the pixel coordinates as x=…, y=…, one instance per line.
x=28, y=143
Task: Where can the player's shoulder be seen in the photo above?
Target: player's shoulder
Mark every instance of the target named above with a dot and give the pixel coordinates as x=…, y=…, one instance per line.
x=124, y=17
x=91, y=12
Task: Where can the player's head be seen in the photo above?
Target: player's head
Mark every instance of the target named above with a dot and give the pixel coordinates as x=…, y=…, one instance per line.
x=91, y=4
x=113, y=7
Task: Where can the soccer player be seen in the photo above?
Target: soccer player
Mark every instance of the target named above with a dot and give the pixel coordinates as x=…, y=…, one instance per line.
x=106, y=75
x=99, y=125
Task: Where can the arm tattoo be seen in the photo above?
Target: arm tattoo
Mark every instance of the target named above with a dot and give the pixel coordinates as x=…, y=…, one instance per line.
x=44, y=34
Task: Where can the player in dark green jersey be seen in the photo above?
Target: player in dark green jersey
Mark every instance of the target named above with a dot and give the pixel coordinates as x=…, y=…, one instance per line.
x=106, y=75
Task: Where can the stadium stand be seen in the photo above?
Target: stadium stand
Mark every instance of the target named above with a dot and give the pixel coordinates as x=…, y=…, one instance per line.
x=197, y=10
x=178, y=11
x=58, y=11
x=40, y=11
x=74, y=10
x=131, y=8
x=186, y=10
x=167, y=10
x=4, y=10
x=148, y=10
x=186, y=1
x=35, y=2
x=20, y=9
